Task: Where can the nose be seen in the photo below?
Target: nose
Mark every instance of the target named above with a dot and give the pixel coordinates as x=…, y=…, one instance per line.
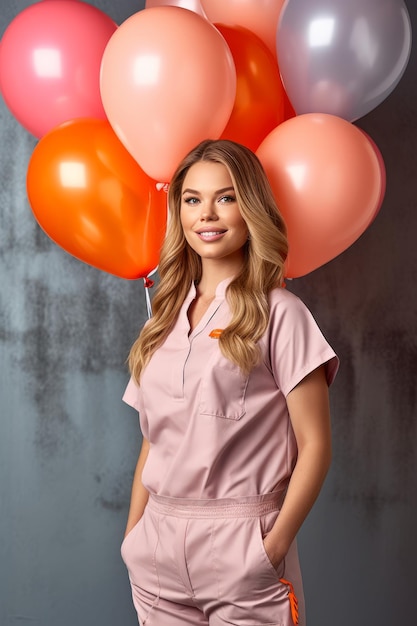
x=208, y=212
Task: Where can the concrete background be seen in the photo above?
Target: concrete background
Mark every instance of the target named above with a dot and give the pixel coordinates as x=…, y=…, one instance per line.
x=68, y=445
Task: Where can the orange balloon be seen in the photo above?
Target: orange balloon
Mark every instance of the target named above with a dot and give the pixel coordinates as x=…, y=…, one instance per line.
x=259, y=16
x=328, y=181
x=260, y=97
x=92, y=199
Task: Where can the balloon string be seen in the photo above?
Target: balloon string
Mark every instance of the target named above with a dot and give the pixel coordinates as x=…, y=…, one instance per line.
x=148, y=284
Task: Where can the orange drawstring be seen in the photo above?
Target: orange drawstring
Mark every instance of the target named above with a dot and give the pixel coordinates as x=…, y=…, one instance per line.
x=293, y=600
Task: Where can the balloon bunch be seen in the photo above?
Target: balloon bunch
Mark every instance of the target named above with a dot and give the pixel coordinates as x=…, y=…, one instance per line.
x=117, y=107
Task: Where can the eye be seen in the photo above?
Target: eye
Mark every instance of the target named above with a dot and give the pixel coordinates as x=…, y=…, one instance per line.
x=227, y=199
x=190, y=200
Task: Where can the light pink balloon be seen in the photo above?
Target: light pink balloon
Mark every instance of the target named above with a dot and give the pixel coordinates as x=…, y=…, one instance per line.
x=328, y=179
x=168, y=81
x=191, y=5
x=259, y=16
x=50, y=58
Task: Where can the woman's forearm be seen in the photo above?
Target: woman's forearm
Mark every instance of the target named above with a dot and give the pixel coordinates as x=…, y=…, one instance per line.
x=308, y=406
x=304, y=487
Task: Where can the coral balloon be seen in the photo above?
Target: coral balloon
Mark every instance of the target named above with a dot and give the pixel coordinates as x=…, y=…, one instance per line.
x=382, y=170
x=91, y=198
x=342, y=58
x=328, y=181
x=260, y=97
x=167, y=82
x=191, y=5
x=259, y=16
x=50, y=58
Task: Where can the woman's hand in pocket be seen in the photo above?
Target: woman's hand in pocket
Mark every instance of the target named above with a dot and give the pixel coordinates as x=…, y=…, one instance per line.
x=273, y=551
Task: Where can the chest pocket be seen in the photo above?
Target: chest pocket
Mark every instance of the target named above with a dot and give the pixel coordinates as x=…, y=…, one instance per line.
x=223, y=391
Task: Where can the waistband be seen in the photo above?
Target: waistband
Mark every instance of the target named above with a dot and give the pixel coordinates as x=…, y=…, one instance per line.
x=246, y=506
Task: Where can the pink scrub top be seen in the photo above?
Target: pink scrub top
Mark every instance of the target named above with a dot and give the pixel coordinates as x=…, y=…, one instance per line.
x=214, y=432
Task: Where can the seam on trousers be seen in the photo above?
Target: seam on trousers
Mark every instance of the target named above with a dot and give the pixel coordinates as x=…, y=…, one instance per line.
x=214, y=561
x=186, y=566
x=156, y=601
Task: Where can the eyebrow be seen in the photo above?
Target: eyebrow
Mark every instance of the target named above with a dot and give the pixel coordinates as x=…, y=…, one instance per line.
x=215, y=193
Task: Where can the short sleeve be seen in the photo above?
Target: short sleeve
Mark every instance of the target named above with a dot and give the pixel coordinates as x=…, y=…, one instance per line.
x=297, y=345
x=133, y=397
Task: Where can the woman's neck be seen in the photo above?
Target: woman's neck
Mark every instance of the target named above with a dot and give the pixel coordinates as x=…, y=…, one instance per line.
x=213, y=274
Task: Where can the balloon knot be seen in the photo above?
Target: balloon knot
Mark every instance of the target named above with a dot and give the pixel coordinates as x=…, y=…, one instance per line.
x=148, y=283
x=163, y=186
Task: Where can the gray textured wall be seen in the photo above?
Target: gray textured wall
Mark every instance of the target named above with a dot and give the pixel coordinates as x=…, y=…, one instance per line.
x=68, y=446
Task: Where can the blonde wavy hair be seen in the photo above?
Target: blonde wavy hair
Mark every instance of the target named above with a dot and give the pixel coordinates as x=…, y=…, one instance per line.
x=247, y=294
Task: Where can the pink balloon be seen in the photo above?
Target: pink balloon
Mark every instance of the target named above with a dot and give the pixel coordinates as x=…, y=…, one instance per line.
x=50, y=58
x=168, y=81
x=259, y=16
x=328, y=179
x=191, y=5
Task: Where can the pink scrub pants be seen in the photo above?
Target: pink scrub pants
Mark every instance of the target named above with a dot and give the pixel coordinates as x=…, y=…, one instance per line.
x=203, y=562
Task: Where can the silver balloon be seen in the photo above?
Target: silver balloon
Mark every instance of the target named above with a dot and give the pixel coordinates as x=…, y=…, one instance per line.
x=342, y=57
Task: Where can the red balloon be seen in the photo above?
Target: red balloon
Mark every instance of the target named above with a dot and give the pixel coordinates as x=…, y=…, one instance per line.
x=92, y=199
x=288, y=107
x=260, y=98
x=259, y=16
x=328, y=181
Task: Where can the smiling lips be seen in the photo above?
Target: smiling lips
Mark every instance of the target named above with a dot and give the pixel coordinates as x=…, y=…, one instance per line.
x=210, y=235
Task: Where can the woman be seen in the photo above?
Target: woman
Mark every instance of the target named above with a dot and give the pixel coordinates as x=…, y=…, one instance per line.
x=230, y=378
